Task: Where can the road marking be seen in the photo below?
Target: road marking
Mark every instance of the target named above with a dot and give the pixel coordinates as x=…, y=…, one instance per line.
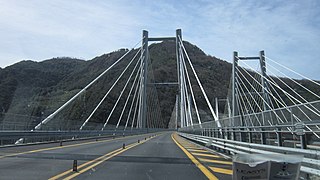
x=215, y=161
x=90, y=164
x=188, y=146
x=197, y=150
x=206, y=155
x=82, y=165
x=66, y=146
x=221, y=170
x=204, y=170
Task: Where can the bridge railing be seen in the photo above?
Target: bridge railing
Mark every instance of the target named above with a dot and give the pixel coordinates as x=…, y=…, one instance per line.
x=305, y=113
x=281, y=126
x=310, y=164
x=10, y=137
x=293, y=129
x=60, y=125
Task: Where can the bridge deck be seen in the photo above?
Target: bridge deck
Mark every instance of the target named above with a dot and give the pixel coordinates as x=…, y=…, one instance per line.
x=164, y=156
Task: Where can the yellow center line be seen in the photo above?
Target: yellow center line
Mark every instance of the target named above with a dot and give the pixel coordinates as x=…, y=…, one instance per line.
x=99, y=162
x=66, y=146
x=215, y=161
x=221, y=170
x=95, y=162
x=204, y=170
x=84, y=164
x=206, y=155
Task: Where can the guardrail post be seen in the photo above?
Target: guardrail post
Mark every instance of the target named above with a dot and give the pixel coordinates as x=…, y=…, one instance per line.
x=214, y=132
x=234, y=137
x=242, y=135
x=228, y=133
x=218, y=136
x=222, y=133
x=299, y=131
x=279, y=136
x=217, y=133
x=263, y=137
x=250, y=135
x=227, y=137
x=303, y=141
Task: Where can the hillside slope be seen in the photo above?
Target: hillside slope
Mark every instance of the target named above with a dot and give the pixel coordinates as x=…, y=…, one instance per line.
x=30, y=91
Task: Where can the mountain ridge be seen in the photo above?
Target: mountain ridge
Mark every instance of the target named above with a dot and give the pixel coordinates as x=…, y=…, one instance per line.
x=33, y=90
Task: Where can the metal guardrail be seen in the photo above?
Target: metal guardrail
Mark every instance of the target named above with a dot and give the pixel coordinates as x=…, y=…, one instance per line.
x=10, y=137
x=286, y=115
x=310, y=163
x=296, y=135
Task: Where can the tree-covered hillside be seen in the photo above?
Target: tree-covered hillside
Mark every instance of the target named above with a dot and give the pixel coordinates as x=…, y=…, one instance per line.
x=30, y=91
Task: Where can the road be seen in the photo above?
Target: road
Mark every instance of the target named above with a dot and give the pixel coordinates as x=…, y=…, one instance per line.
x=155, y=156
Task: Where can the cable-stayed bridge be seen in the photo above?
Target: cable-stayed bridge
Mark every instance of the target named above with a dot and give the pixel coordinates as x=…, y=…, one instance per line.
x=265, y=111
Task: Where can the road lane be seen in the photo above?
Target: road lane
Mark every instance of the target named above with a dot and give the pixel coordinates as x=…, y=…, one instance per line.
x=159, y=158
x=214, y=165
x=44, y=163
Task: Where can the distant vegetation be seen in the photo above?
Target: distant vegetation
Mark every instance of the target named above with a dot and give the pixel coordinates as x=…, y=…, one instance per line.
x=30, y=91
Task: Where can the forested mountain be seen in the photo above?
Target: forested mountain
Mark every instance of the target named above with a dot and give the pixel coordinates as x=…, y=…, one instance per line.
x=30, y=91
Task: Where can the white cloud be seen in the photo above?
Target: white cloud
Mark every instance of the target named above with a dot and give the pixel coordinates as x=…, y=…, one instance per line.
x=285, y=31
x=288, y=31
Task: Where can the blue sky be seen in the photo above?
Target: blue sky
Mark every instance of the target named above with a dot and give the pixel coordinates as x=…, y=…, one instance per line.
x=289, y=31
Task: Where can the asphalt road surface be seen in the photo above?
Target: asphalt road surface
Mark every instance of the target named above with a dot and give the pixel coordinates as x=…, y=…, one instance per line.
x=152, y=156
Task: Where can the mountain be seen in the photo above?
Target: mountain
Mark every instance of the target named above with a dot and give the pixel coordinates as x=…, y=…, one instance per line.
x=30, y=91
x=214, y=74
x=33, y=90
